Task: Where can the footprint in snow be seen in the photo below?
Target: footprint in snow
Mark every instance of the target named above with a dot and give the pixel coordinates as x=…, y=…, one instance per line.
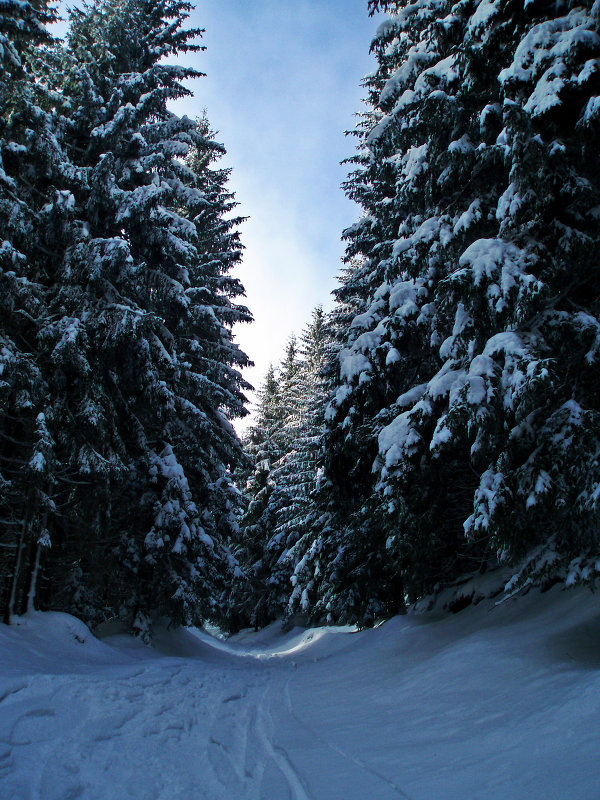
x=33, y=727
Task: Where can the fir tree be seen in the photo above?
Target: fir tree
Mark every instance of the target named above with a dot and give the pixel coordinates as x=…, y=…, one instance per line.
x=285, y=446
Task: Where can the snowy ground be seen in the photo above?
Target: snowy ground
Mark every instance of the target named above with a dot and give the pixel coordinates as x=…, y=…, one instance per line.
x=494, y=702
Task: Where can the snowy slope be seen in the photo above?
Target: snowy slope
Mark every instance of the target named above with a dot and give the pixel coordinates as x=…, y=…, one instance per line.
x=494, y=702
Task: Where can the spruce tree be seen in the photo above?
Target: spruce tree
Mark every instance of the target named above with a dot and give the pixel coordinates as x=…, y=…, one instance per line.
x=135, y=350
x=34, y=207
x=154, y=264
x=285, y=443
x=300, y=472
x=295, y=505
x=264, y=445
x=466, y=408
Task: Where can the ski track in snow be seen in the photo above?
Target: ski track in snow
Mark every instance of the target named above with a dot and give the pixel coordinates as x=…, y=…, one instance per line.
x=337, y=749
x=457, y=708
x=278, y=754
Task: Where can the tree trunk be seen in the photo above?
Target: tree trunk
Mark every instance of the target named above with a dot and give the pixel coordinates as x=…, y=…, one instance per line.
x=20, y=584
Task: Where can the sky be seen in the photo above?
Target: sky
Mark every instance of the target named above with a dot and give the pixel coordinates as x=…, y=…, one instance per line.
x=282, y=85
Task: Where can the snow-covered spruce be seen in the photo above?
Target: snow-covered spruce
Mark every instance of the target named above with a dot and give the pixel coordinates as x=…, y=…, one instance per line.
x=136, y=349
x=286, y=444
x=465, y=421
x=32, y=213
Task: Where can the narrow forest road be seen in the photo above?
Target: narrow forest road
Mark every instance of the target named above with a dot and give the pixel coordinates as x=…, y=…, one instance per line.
x=492, y=703
x=216, y=723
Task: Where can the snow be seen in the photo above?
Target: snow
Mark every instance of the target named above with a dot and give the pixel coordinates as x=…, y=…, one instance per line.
x=508, y=342
x=353, y=364
x=468, y=217
x=414, y=163
x=481, y=19
x=543, y=57
x=487, y=499
x=429, y=230
x=486, y=257
x=416, y=58
x=592, y=109
x=412, y=396
x=37, y=462
x=393, y=357
x=342, y=393
x=446, y=381
x=509, y=203
x=398, y=439
x=462, y=145
x=441, y=434
x=445, y=72
x=404, y=296
x=499, y=701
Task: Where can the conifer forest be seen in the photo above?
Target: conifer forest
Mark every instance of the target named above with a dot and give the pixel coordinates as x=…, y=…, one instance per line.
x=440, y=420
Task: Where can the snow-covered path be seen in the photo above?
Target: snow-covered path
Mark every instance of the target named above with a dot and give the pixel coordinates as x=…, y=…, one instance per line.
x=495, y=702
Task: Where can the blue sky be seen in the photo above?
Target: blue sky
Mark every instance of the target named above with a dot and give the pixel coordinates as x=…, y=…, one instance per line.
x=282, y=85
